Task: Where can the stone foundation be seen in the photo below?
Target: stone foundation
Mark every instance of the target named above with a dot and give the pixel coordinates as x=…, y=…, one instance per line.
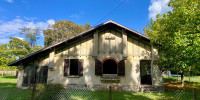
x=114, y=87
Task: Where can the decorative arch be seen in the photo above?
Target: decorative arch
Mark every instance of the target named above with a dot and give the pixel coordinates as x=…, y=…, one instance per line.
x=110, y=66
x=110, y=58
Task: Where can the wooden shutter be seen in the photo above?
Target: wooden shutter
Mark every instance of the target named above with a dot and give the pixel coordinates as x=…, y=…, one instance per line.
x=98, y=67
x=80, y=65
x=121, y=68
x=66, y=67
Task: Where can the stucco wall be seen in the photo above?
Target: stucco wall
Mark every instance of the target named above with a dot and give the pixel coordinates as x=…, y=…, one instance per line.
x=137, y=50
x=20, y=78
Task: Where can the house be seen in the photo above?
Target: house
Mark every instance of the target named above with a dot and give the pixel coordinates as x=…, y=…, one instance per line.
x=108, y=54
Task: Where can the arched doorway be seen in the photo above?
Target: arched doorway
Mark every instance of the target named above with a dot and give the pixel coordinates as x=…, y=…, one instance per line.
x=109, y=66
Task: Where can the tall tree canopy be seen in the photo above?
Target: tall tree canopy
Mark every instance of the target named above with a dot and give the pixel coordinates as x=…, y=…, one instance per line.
x=15, y=49
x=62, y=30
x=178, y=31
x=31, y=35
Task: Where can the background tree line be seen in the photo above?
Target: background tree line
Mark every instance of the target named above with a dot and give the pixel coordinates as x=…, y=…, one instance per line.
x=17, y=48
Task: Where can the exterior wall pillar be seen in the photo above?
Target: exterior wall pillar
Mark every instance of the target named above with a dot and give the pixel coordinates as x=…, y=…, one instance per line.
x=96, y=42
x=124, y=44
x=152, y=60
x=51, y=59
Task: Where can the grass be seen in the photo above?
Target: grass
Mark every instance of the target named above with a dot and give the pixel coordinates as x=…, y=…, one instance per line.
x=172, y=83
x=9, y=91
x=7, y=81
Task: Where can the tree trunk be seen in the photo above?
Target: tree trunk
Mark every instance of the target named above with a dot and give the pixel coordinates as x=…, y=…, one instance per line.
x=177, y=76
x=2, y=72
x=182, y=80
x=16, y=74
x=189, y=76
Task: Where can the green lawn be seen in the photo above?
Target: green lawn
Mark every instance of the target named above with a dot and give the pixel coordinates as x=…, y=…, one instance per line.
x=8, y=81
x=9, y=91
x=186, y=78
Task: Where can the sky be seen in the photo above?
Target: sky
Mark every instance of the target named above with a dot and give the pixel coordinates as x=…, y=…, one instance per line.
x=15, y=14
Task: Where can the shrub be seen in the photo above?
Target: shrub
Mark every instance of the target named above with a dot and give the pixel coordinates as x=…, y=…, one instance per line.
x=47, y=91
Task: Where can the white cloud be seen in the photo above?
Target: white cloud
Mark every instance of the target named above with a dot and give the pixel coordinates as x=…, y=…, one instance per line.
x=77, y=15
x=51, y=21
x=19, y=38
x=2, y=41
x=10, y=1
x=12, y=28
x=158, y=7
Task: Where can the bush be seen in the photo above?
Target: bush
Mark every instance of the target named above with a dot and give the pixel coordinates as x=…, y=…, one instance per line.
x=47, y=91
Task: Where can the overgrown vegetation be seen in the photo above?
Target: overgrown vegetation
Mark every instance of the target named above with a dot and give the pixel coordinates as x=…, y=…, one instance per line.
x=177, y=32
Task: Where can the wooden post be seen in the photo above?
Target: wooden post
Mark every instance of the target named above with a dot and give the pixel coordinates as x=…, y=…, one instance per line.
x=34, y=85
x=33, y=92
x=194, y=94
x=110, y=93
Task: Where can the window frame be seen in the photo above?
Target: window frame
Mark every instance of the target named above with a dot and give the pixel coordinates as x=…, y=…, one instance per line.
x=70, y=67
x=67, y=68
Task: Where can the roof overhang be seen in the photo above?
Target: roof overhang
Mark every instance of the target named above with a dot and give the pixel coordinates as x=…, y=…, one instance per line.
x=82, y=34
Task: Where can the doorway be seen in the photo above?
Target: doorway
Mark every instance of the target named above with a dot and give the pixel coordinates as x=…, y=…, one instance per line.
x=145, y=72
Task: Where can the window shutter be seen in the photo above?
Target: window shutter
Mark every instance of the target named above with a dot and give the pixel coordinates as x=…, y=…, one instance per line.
x=80, y=65
x=121, y=68
x=66, y=67
x=98, y=67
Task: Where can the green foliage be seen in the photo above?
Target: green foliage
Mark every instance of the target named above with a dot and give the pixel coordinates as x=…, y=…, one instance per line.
x=44, y=91
x=15, y=49
x=178, y=32
x=62, y=30
x=31, y=35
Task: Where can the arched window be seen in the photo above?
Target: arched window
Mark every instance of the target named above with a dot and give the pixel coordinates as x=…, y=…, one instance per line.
x=110, y=66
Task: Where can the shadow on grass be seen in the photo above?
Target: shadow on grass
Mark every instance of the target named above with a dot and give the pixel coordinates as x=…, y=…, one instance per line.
x=169, y=79
x=125, y=95
x=8, y=77
x=78, y=94
x=7, y=85
x=172, y=83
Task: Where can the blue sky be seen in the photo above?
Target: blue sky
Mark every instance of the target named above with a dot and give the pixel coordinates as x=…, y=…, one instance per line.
x=15, y=14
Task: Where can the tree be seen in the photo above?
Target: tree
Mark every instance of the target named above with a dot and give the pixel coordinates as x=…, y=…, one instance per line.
x=62, y=30
x=3, y=56
x=87, y=26
x=31, y=35
x=14, y=50
x=178, y=31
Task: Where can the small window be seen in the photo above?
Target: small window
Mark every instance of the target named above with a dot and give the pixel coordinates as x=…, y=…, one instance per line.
x=73, y=67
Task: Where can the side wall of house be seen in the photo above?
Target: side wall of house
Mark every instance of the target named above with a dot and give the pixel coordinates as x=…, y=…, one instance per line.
x=83, y=49
x=110, y=44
